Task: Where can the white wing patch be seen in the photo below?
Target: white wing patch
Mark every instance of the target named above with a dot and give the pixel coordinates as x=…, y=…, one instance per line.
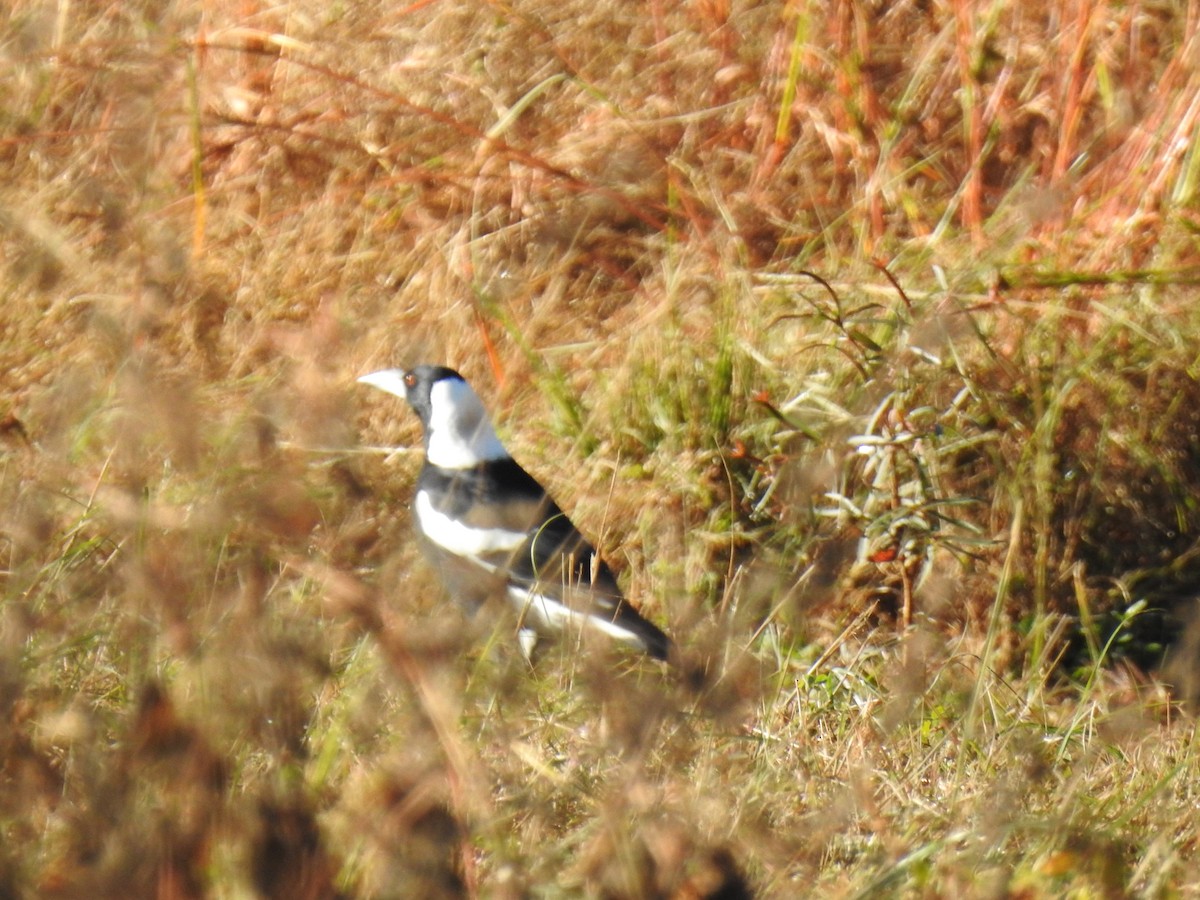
x=548, y=614
x=460, y=539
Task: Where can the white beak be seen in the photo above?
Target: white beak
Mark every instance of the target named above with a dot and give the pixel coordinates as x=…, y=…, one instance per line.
x=390, y=380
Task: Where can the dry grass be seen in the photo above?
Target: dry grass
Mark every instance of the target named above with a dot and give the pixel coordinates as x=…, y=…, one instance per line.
x=860, y=337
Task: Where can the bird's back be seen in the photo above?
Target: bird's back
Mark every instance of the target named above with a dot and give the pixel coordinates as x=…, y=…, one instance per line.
x=543, y=555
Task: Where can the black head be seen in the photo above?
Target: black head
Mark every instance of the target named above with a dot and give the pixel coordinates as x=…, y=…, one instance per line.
x=414, y=385
x=418, y=385
x=458, y=433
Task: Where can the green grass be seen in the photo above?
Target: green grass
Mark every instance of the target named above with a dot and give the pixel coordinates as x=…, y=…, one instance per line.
x=861, y=340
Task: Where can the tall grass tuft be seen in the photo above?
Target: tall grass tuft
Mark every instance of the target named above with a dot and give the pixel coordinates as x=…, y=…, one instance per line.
x=860, y=338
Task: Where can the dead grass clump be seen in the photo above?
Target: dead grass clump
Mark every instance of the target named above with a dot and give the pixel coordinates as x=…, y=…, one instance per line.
x=873, y=503
x=1124, y=510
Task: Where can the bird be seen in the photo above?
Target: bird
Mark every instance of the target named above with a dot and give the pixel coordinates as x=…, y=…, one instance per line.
x=489, y=528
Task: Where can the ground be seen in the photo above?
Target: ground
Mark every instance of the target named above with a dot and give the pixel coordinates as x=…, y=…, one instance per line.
x=859, y=338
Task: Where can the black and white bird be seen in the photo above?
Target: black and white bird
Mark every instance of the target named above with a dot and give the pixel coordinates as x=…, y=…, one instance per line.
x=490, y=529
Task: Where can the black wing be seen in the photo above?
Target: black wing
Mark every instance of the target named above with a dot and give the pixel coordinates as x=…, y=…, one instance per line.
x=555, y=560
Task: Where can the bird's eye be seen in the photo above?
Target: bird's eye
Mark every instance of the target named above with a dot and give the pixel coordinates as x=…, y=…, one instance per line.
x=410, y=380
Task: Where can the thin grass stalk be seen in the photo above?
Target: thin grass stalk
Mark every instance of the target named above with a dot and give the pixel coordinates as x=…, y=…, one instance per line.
x=1072, y=104
x=972, y=195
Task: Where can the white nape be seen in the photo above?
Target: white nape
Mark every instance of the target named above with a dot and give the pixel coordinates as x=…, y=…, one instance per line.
x=460, y=435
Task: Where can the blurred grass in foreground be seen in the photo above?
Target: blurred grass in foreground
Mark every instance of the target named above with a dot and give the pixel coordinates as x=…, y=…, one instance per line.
x=861, y=339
